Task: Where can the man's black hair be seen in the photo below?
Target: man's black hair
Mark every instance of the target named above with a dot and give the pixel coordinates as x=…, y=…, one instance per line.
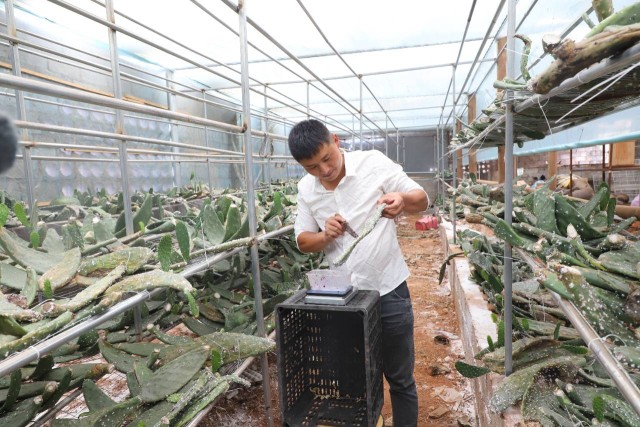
x=535, y=178
x=306, y=138
x=542, y=178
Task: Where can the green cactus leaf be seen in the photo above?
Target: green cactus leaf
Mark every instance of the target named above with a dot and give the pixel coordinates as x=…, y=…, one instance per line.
x=23, y=413
x=35, y=239
x=95, y=398
x=598, y=408
x=172, y=376
x=471, y=371
x=13, y=391
x=26, y=257
x=216, y=360
x=44, y=366
x=122, y=361
x=193, y=305
x=212, y=226
x=47, y=289
x=184, y=240
x=62, y=273
x=142, y=216
x=556, y=331
x=233, y=223
x=492, y=347
x=19, y=210
x=276, y=207
x=4, y=214
x=165, y=247
x=501, y=336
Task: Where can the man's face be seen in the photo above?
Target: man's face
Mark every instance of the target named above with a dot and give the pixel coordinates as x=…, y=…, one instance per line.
x=327, y=164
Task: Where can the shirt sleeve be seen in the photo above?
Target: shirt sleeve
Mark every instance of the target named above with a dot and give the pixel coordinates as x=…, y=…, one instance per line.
x=304, y=219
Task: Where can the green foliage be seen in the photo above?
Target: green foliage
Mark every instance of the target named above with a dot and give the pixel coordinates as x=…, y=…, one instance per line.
x=4, y=214
x=216, y=360
x=35, y=239
x=501, y=336
x=490, y=343
x=164, y=252
x=47, y=291
x=184, y=240
x=556, y=331
x=18, y=209
x=471, y=371
x=575, y=349
x=193, y=305
x=598, y=408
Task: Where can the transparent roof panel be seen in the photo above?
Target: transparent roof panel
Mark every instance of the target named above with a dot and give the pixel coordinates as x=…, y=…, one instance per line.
x=404, y=51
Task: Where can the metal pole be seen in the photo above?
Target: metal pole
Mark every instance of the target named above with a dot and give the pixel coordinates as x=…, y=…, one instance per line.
x=360, y=77
x=60, y=91
x=171, y=103
x=454, y=166
x=206, y=140
x=404, y=152
x=373, y=143
x=251, y=206
x=308, y=115
x=386, y=136
x=266, y=124
x=117, y=93
x=21, y=109
x=436, y=152
x=508, y=188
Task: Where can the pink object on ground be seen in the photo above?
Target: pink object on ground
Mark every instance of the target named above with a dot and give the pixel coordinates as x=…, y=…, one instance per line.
x=427, y=223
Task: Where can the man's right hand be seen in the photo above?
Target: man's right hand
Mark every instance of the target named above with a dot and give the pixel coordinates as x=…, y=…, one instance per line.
x=334, y=228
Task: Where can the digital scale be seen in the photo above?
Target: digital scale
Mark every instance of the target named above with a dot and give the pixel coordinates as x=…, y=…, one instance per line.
x=330, y=296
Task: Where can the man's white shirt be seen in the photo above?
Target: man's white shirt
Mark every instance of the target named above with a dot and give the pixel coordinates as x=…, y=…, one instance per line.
x=376, y=262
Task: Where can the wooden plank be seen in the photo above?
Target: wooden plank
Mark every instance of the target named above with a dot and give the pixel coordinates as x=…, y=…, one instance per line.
x=552, y=167
x=623, y=153
x=48, y=78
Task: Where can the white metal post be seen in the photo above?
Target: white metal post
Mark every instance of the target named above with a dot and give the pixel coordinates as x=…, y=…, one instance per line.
x=266, y=132
x=206, y=140
x=171, y=101
x=386, y=136
x=21, y=109
x=437, y=164
x=404, y=152
x=508, y=188
x=360, y=77
x=308, y=101
x=454, y=166
x=117, y=89
x=251, y=200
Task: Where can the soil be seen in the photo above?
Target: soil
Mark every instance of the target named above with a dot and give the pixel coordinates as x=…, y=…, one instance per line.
x=445, y=397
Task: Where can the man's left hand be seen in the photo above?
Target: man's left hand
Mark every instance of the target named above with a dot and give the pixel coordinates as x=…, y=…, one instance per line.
x=395, y=204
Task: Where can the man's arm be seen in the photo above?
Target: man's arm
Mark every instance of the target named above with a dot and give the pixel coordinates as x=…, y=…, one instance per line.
x=309, y=241
x=413, y=201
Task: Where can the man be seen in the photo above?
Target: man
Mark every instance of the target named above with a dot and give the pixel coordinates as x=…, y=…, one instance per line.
x=343, y=187
x=8, y=143
x=539, y=182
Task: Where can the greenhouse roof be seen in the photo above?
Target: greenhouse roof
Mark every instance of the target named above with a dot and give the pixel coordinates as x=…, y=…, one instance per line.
x=405, y=52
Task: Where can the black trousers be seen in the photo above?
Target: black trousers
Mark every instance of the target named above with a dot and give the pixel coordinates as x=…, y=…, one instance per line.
x=398, y=355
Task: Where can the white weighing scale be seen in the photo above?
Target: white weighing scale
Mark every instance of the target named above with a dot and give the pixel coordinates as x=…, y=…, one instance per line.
x=329, y=287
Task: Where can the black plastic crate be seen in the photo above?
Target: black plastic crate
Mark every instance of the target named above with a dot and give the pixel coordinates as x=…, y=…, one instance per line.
x=330, y=362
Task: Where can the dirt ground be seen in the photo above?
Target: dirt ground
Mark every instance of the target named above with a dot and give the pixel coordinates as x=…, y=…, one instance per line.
x=445, y=397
